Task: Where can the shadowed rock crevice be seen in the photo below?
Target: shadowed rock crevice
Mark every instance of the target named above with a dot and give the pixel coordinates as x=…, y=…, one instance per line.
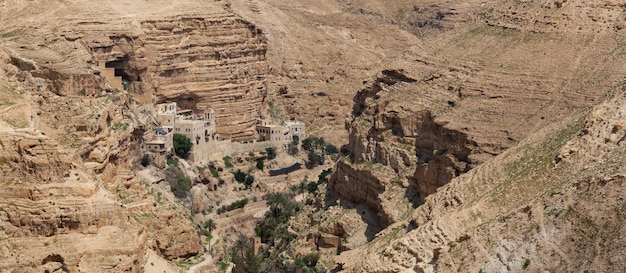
x=385, y=78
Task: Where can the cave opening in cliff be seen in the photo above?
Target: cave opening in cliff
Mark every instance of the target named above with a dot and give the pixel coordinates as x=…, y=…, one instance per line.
x=125, y=70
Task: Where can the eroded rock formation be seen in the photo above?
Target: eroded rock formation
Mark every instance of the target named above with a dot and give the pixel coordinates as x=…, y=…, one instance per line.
x=397, y=144
x=70, y=200
x=477, y=218
x=200, y=61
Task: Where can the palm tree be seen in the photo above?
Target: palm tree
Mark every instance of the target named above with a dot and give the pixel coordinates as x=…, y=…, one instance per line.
x=210, y=225
x=276, y=199
x=239, y=253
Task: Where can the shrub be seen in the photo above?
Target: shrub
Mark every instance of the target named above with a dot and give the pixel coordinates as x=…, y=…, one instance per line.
x=228, y=161
x=312, y=187
x=180, y=184
x=315, y=158
x=249, y=180
x=311, y=259
x=214, y=173
x=331, y=149
x=307, y=143
x=240, y=176
x=259, y=164
x=323, y=177
x=145, y=160
x=233, y=206
x=271, y=152
x=244, y=178
x=182, y=145
x=526, y=263
x=171, y=161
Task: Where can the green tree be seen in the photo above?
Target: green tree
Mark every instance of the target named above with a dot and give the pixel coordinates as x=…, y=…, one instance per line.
x=312, y=187
x=145, y=160
x=240, y=176
x=323, y=177
x=210, y=225
x=271, y=152
x=315, y=158
x=242, y=255
x=228, y=162
x=307, y=144
x=302, y=185
x=273, y=225
x=277, y=199
x=331, y=149
x=182, y=145
x=249, y=180
x=260, y=164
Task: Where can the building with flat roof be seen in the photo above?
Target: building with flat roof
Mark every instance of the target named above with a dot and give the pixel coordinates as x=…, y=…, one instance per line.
x=200, y=130
x=292, y=130
x=160, y=145
x=296, y=129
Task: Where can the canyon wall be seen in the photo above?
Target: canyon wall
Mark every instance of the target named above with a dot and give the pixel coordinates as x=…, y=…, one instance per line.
x=70, y=139
x=576, y=16
x=474, y=121
x=541, y=205
x=70, y=199
x=397, y=144
x=216, y=60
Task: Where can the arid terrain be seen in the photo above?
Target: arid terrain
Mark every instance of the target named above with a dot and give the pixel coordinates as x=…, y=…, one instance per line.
x=458, y=136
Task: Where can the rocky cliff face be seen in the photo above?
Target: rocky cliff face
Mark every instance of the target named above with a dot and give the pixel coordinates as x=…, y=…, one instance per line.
x=538, y=206
x=456, y=102
x=393, y=142
x=463, y=122
x=200, y=59
x=70, y=200
x=54, y=211
x=558, y=16
x=214, y=60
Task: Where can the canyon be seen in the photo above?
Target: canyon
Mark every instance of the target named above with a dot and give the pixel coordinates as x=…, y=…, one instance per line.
x=475, y=136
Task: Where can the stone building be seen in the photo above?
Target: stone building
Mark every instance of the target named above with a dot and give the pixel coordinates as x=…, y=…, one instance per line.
x=271, y=132
x=200, y=130
x=160, y=146
x=296, y=129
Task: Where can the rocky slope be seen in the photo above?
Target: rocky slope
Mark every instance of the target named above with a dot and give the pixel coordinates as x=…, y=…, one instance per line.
x=70, y=201
x=476, y=98
x=472, y=115
x=201, y=61
x=456, y=101
x=558, y=16
x=199, y=54
x=319, y=51
x=552, y=203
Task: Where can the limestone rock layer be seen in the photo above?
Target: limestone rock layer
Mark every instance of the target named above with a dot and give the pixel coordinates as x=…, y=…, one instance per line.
x=216, y=60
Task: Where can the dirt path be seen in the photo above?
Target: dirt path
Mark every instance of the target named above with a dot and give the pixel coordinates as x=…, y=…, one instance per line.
x=208, y=258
